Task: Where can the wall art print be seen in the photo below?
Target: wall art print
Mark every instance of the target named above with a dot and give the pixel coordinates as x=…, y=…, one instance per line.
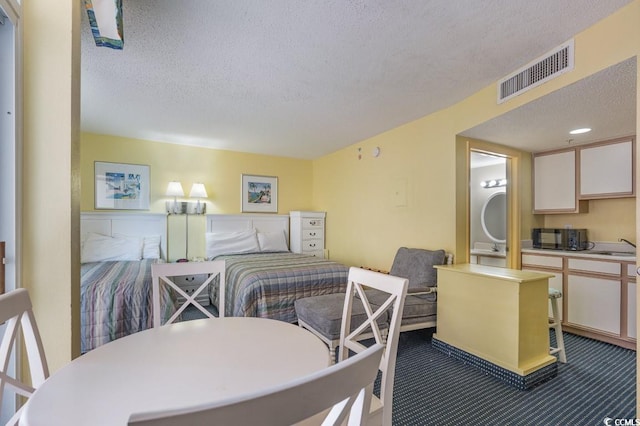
x=259, y=194
x=121, y=186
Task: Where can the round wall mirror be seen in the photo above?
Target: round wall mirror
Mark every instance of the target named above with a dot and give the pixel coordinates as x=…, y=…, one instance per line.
x=494, y=217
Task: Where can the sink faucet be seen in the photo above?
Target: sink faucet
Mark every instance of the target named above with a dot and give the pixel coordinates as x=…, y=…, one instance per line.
x=627, y=241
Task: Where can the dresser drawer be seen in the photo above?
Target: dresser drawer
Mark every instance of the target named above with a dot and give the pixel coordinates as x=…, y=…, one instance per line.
x=312, y=245
x=312, y=222
x=313, y=233
x=316, y=253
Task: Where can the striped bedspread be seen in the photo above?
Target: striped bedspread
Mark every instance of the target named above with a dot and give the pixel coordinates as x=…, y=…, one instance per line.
x=266, y=284
x=116, y=301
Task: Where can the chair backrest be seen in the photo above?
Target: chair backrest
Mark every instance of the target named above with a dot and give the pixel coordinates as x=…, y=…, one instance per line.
x=416, y=265
x=17, y=314
x=345, y=388
x=165, y=272
x=396, y=289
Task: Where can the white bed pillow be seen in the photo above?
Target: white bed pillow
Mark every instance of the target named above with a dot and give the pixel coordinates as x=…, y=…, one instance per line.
x=102, y=248
x=150, y=245
x=272, y=241
x=231, y=243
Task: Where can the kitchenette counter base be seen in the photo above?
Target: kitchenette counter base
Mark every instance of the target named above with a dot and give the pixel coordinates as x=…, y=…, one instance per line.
x=496, y=319
x=520, y=382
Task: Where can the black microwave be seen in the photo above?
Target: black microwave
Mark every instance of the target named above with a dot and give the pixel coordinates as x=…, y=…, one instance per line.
x=559, y=238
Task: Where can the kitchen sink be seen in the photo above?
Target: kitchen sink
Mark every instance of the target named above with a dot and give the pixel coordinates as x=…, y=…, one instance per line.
x=613, y=253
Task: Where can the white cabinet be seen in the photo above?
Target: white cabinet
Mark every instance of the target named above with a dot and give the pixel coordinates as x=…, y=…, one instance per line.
x=594, y=303
x=632, y=330
x=607, y=169
x=599, y=294
x=554, y=183
x=564, y=180
x=307, y=232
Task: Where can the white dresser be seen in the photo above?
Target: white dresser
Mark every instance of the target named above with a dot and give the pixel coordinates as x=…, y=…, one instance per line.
x=307, y=232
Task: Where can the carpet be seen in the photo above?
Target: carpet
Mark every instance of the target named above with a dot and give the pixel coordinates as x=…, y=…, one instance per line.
x=599, y=381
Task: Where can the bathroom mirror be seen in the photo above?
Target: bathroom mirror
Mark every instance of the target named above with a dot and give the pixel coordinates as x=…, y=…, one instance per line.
x=494, y=217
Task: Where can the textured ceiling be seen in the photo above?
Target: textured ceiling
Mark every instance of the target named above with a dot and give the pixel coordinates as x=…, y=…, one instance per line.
x=604, y=102
x=303, y=79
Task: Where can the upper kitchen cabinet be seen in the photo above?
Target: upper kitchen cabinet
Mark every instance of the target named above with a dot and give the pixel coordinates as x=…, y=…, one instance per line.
x=607, y=169
x=554, y=183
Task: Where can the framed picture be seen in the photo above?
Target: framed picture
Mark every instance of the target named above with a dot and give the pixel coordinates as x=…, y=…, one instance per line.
x=121, y=186
x=259, y=194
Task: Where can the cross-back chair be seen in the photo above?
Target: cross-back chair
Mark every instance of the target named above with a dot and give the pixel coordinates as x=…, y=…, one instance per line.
x=345, y=389
x=390, y=292
x=166, y=271
x=16, y=314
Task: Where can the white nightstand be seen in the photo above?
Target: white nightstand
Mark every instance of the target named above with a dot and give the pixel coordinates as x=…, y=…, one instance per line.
x=307, y=232
x=189, y=284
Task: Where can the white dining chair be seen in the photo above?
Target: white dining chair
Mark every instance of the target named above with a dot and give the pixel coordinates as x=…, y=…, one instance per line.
x=344, y=388
x=389, y=293
x=165, y=273
x=17, y=314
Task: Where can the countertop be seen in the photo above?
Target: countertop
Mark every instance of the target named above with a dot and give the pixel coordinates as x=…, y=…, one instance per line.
x=488, y=253
x=588, y=254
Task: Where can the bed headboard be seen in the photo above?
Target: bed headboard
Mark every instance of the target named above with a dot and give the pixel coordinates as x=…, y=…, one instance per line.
x=135, y=224
x=241, y=222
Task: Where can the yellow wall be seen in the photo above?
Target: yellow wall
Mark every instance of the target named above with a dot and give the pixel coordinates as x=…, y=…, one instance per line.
x=50, y=173
x=219, y=170
x=364, y=223
x=607, y=220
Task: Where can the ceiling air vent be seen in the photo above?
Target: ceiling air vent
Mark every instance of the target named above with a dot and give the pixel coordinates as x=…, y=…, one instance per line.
x=536, y=72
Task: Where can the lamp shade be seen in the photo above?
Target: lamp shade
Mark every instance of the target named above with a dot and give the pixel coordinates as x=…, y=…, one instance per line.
x=175, y=189
x=198, y=191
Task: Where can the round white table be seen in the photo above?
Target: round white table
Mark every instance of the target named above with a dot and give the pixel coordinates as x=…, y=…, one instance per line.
x=187, y=363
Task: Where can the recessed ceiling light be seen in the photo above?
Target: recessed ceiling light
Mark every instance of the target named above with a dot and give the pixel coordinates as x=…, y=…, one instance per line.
x=579, y=131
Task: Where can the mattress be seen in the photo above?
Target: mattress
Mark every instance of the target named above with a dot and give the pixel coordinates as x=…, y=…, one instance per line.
x=266, y=285
x=116, y=301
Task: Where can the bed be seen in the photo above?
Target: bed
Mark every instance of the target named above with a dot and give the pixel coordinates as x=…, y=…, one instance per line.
x=115, y=291
x=263, y=278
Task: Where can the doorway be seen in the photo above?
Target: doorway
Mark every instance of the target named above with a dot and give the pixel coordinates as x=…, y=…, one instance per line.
x=466, y=149
x=488, y=209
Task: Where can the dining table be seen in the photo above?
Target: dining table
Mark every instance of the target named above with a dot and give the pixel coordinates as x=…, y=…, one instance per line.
x=174, y=366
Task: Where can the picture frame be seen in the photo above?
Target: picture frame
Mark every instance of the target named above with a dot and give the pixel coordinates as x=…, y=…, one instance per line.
x=121, y=186
x=259, y=194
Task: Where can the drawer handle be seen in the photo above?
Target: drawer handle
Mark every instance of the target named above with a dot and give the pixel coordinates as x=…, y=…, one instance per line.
x=312, y=222
x=312, y=245
x=312, y=234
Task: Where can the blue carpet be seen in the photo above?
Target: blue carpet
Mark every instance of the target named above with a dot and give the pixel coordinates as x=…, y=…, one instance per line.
x=191, y=312
x=431, y=388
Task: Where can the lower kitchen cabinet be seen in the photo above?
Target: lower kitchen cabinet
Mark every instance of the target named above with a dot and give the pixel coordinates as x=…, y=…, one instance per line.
x=594, y=303
x=599, y=294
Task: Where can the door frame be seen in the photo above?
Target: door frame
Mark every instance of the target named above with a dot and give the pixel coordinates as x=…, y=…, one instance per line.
x=513, y=157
